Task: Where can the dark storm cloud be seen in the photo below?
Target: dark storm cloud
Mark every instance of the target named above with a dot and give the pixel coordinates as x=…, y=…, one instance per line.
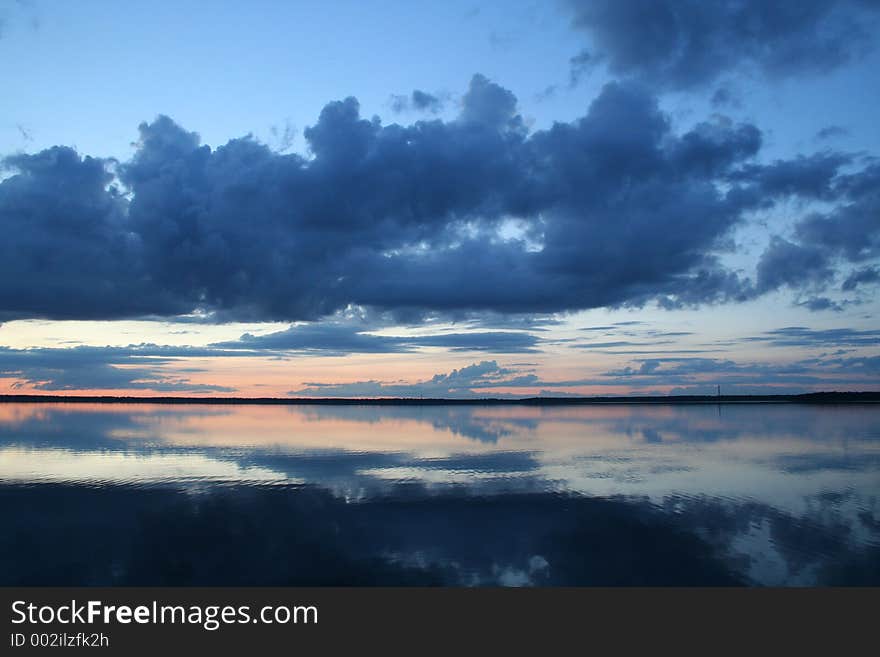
x=808, y=177
x=851, y=229
x=712, y=148
x=613, y=209
x=687, y=44
x=829, y=242
x=795, y=265
x=66, y=249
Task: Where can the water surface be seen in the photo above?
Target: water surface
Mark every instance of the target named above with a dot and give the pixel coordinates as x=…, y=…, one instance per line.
x=768, y=494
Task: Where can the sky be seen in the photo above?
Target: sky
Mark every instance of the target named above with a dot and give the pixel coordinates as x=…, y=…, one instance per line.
x=460, y=199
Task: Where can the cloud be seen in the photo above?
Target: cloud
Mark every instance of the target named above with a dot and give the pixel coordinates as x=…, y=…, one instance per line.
x=146, y=366
x=830, y=242
x=696, y=375
x=725, y=97
x=850, y=230
x=863, y=276
x=612, y=209
x=455, y=384
x=810, y=177
x=419, y=101
x=821, y=303
x=831, y=132
x=136, y=367
x=616, y=343
x=869, y=365
x=422, y=100
x=802, y=336
x=152, y=367
x=489, y=104
x=655, y=375
x=785, y=263
x=649, y=336
x=580, y=66
x=66, y=250
x=687, y=45
x=338, y=339
x=673, y=369
x=510, y=321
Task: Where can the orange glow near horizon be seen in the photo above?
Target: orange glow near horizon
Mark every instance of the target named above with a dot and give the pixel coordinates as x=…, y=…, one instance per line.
x=283, y=377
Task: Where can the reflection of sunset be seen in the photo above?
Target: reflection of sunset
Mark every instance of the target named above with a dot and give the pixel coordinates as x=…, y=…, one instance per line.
x=45, y=466
x=601, y=450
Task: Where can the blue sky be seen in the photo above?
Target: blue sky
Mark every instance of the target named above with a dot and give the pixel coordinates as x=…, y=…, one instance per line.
x=390, y=198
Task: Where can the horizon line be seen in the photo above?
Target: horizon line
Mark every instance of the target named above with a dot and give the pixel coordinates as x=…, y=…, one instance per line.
x=808, y=397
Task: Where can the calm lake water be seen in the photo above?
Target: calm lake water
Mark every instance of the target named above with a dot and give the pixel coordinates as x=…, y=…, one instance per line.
x=448, y=495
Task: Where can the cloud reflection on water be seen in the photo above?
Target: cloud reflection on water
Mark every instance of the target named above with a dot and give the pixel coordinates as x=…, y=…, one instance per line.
x=771, y=494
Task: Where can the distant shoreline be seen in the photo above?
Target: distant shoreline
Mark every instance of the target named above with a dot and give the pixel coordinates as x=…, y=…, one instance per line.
x=806, y=398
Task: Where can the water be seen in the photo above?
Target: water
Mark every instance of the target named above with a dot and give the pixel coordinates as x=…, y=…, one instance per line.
x=753, y=494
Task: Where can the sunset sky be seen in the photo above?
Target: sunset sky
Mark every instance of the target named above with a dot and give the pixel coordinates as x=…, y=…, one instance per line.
x=395, y=199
